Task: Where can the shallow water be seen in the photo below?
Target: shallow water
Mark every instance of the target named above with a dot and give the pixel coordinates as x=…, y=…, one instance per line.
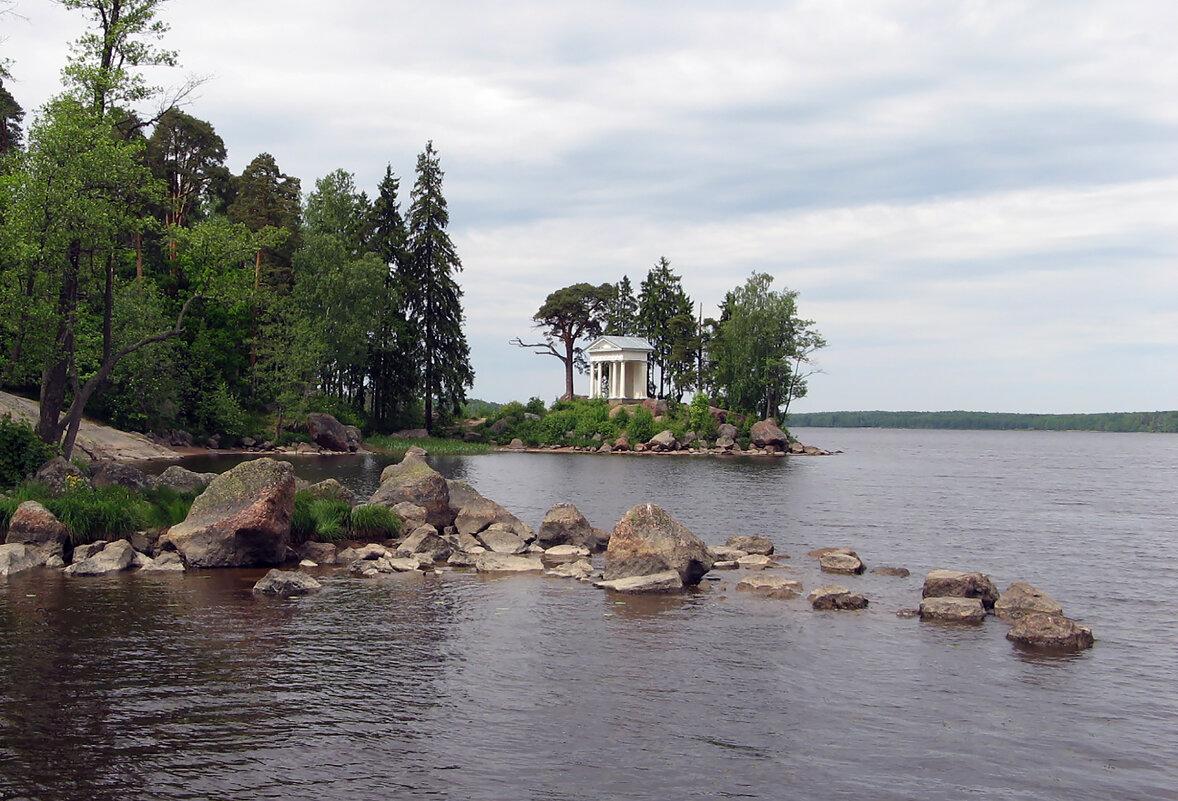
x=459, y=686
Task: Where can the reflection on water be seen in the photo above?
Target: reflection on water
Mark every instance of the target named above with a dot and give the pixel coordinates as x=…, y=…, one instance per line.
x=463, y=686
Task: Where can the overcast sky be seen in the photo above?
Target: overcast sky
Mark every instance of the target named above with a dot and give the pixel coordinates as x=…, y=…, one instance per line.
x=977, y=200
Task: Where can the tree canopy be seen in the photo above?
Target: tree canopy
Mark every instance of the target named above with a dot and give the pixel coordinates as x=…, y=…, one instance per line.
x=566, y=317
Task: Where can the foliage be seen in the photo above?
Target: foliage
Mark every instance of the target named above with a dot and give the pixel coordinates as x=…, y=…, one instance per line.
x=665, y=317
x=332, y=520
x=373, y=522
x=436, y=445
x=620, y=315
x=434, y=299
x=761, y=347
x=21, y=451
x=699, y=416
x=1158, y=422
x=641, y=426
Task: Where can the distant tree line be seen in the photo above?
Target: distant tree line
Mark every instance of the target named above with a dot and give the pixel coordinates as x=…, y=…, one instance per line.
x=753, y=358
x=143, y=282
x=1158, y=422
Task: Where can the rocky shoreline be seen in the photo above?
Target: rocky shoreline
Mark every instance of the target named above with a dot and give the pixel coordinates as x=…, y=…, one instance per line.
x=242, y=518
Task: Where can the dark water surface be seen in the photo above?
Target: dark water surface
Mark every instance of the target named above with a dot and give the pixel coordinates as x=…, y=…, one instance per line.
x=459, y=686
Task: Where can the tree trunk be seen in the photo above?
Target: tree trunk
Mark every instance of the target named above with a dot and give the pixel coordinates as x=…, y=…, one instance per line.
x=56, y=372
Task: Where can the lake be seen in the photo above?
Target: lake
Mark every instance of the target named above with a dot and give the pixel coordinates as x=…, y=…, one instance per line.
x=462, y=686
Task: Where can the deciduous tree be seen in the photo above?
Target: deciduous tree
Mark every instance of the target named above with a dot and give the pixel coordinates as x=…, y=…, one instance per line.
x=566, y=317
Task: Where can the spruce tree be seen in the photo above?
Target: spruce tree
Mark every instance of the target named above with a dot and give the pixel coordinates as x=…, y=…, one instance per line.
x=434, y=299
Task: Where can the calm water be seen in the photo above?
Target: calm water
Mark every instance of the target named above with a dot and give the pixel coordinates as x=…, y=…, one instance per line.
x=457, y=686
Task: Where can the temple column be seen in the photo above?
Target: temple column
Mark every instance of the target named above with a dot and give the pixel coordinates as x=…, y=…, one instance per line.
x=625, y=393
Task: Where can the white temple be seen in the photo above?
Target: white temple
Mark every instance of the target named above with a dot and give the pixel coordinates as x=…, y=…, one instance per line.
x=618, y=367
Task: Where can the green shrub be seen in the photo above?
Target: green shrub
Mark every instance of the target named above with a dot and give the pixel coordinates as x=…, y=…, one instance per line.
x=641, y=426
x=621, y=419
x=218, y=412
x=556, y=424
x=373, y=522
x=21, y=451
x=700, y=418
x=167, y=507
x=535, y=406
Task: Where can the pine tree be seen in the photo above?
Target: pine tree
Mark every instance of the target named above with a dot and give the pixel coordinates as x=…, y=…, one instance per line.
x=621, y=312
x=392, y=358
x=434, y=299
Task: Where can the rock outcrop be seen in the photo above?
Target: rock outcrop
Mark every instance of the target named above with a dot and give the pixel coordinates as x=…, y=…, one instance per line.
x=647, y=541
x=181, y=479
x=108, y=473
x=241, y=520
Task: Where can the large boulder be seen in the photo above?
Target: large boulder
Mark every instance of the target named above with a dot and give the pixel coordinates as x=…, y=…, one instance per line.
x=181, y=479
x=952, y=609
x=500, y=539
x=241, y=520
x=35, y=526
x=109, y=473
x=285, y=583
x=956, y=584
x=565, y=525
x=726, y=431
x=1022, y=599
x=766, y=434
x=412, y=480
x=1055, y=632
x=647, y=540
x=114, y=557
x=327, y=432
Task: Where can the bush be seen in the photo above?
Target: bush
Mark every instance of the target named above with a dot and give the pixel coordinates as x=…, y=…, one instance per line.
x=21, y=451
x=535, y=406
x=700, y=418
x=641, y=426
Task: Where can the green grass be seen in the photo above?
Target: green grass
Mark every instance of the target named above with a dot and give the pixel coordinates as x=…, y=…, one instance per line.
x=435, y=445
x=328, y=520
x=101, y=514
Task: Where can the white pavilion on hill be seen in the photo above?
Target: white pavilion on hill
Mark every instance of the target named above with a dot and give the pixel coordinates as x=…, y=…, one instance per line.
x=618, y=367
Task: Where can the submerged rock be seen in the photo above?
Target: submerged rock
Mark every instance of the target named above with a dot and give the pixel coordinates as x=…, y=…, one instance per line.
x=751, y=544
x=953, y=609
x=581, y=569
x=1056, y=632
x=241, y=520
x=955, y=584
x=647, y=541
x=771, y=586
x=285, y=583
x=836, y=597
x=166, y=562
x=841, y=560
x=506, y=563
x=899, y=572
x=664, y=581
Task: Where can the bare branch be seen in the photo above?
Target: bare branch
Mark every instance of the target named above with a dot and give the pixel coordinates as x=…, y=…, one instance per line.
x=549, y=348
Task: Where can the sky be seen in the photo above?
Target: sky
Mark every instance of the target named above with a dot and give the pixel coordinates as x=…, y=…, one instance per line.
x=976, y=200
